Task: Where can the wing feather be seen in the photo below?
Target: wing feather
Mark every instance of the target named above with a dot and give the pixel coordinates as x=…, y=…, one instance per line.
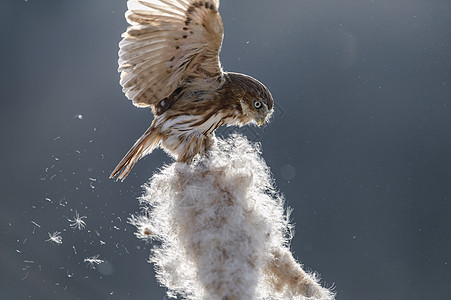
x=140, y=16
x=174, y=6
x=163, y=9
x=169, y=42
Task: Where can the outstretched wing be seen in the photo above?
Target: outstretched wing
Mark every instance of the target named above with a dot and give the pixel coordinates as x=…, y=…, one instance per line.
x=169, y=42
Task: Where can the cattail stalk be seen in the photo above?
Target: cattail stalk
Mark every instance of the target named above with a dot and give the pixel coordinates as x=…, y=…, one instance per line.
x=221, y=231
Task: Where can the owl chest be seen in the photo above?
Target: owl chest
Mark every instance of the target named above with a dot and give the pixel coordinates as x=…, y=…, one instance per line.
x=188, y=124
x=184, y=136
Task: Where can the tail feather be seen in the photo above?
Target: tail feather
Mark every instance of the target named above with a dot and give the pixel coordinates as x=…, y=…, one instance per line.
x=143, y=146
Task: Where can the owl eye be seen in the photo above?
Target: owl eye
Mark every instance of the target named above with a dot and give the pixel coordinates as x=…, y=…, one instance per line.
x=257, y=104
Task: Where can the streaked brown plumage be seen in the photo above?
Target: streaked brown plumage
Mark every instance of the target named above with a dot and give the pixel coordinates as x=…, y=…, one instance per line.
x=169, y=60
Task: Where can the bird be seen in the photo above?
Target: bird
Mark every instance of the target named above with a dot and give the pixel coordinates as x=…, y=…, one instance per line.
x=169, y=61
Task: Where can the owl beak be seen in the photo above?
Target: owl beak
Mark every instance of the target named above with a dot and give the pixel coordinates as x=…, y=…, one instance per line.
x=261, y=121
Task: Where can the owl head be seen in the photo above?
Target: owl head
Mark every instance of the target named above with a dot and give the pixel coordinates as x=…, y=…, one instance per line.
x=256, y=101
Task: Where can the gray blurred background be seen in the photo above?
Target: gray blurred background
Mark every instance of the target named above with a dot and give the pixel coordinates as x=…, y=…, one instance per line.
x=360, y=144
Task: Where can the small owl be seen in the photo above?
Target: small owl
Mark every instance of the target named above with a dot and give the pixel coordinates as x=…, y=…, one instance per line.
x=169, y=61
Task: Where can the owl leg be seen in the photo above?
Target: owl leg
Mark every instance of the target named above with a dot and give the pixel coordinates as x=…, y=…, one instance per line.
x=209, y=143
x=197, y=143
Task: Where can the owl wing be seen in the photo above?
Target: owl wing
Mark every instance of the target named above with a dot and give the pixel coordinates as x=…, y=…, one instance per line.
x=168, y=43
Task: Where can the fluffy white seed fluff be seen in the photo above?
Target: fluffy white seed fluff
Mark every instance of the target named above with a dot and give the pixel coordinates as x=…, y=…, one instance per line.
x=221, y=229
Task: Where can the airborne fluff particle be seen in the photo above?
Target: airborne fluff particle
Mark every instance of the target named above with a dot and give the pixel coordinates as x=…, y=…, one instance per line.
x=93, y=261
x=77, y=222
x=55, y=237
